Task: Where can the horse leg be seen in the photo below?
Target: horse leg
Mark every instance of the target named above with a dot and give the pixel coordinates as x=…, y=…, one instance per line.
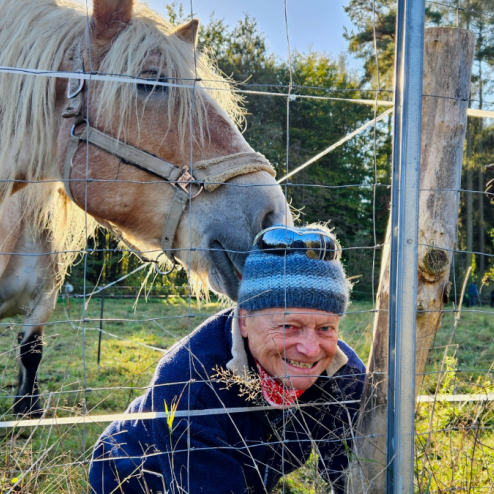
x=27, y=401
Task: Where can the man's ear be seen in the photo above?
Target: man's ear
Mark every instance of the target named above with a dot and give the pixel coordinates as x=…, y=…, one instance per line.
x=189, y=31
x=242, y=322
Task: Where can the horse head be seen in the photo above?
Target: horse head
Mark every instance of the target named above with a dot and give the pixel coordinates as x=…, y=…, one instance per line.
x=168, y=135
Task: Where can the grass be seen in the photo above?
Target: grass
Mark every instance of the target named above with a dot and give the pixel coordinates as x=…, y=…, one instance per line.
x=455, y=444
x=127, y=364
x=459, y=455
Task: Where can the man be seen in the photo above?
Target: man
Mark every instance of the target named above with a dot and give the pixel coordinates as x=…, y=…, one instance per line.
x=473, y=295
x=254, y=391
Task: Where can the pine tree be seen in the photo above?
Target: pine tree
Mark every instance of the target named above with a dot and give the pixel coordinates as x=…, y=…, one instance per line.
x=373, y=41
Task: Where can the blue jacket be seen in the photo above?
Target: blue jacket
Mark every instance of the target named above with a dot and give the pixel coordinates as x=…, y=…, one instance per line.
x=473, y=290
x=223, y=453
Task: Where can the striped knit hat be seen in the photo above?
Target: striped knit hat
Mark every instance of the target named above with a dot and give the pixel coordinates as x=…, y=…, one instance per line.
x=293, y=280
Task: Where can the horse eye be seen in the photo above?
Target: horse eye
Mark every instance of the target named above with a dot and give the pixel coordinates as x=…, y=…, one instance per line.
x=147, y=89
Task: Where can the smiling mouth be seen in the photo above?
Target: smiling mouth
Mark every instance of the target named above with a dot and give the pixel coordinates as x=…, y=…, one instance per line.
x=300, y=365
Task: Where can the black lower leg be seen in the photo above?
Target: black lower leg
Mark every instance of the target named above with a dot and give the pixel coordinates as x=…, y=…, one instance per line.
x=27, y=396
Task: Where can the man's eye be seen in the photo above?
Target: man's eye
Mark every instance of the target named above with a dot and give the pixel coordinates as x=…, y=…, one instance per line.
x=288, y=327
x=325, y=329
x=144, y=88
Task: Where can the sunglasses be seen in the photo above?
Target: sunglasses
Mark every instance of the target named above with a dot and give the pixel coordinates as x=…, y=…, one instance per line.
x=283, y=240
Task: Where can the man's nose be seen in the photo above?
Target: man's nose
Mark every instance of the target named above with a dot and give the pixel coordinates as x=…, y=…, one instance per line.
x=309, y=343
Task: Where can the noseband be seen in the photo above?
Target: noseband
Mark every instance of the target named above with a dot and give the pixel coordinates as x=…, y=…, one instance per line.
x=207, y=174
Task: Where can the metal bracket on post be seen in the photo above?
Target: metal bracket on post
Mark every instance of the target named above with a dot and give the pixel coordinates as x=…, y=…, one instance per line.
x=404, y=239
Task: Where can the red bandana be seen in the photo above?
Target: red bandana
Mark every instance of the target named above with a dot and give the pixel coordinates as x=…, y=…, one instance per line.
x=274, y=393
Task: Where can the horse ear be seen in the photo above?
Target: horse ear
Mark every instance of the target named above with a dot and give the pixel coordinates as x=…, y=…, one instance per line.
x=110, y=17
x=189, y=31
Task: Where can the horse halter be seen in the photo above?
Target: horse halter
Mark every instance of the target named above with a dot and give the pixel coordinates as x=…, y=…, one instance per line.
x=207, y=174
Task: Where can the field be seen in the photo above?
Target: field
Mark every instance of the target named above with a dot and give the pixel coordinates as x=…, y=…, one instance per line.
x=54, y=459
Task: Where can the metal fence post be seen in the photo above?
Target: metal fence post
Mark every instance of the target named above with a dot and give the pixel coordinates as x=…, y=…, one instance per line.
x=404, y=238
x=101, y=321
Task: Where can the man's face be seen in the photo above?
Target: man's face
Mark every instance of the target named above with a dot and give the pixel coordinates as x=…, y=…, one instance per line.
x=298, y=343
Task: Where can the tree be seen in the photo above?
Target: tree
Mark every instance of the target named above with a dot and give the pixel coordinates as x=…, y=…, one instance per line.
x=374, y=38
x=482, y=26
x=373, y=42
x=476, y=17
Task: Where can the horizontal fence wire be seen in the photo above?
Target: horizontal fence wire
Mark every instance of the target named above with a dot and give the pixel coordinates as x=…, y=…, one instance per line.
x=213, y=411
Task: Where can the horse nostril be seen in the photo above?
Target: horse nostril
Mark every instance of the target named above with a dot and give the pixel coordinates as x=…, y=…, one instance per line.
x=268, y=220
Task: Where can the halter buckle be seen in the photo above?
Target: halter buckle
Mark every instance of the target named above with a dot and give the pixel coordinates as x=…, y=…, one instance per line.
x=185, y=180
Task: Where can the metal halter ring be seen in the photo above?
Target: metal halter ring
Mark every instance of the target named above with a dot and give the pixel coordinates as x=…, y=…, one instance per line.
x=73, y=94
x=164, y=273
x=185, y=180
x=77, y=123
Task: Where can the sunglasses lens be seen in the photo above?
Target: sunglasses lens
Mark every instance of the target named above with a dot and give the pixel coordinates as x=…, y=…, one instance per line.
x=276, y=241
x=331, y=250
x=314, y=245
x=312, y=254
x=314, y=248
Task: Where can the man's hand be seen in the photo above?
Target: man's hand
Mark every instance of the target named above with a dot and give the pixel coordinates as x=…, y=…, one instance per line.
x=490, y=185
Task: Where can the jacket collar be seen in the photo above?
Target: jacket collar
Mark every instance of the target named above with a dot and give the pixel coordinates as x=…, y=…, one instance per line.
x=239, y=363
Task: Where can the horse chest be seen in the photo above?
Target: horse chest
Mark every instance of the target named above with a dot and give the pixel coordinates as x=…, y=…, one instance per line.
x=20, y=282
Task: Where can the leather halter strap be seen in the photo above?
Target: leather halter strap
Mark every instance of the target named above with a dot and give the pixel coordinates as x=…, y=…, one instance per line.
x=208, y=174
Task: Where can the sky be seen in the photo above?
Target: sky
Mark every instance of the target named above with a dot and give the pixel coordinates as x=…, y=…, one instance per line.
x=311, y=23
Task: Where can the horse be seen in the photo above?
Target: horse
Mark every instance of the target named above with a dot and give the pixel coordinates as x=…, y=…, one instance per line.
x=156, y=157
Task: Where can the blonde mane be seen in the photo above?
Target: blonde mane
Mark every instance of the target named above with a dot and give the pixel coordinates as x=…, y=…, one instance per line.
x=36, y=35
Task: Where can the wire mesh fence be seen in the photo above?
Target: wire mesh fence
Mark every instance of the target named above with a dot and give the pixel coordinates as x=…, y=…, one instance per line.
x=113, y=116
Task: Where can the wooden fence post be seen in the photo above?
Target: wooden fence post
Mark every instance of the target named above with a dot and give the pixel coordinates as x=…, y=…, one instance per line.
x=448, y=58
